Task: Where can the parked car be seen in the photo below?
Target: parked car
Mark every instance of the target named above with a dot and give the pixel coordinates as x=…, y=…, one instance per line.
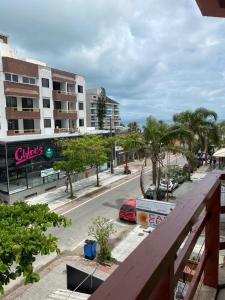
x=168, y=184
x=150, y=194
x=128, y=210
x=180, y=178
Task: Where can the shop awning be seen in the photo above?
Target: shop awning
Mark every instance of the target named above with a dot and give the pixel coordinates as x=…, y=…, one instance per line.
x=220, y=153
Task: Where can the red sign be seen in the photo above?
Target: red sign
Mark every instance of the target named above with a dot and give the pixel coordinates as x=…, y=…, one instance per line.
x=155, y=219
x=24, y=154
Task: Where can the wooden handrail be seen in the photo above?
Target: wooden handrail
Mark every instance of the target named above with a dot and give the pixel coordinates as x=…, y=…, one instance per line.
x=148, y=273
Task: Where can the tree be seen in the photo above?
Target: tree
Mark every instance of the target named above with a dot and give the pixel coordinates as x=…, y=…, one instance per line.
x=101, y=229
x=23, y=236
x=160, y=137
x=101, y=108
x=202, y=126
x=130, y=142
x=133, y=127
x=74, y=159
x=96, y=149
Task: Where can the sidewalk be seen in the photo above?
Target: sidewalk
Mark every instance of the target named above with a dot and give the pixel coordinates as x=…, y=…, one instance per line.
x=58, y=197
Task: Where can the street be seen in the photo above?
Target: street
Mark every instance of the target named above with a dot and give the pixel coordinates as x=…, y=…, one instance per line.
x=107, y=204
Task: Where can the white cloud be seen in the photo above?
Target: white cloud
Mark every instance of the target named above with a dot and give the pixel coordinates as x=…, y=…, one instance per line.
x=154, y=57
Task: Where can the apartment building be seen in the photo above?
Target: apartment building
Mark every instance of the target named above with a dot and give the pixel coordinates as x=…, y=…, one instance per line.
x=38, y=105
x=37, y=99
x=112, y=110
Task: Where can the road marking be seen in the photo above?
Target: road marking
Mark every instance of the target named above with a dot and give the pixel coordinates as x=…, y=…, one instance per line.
x=103, y=193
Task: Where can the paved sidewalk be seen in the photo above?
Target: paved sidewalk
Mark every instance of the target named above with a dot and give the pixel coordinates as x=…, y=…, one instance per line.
x=58, y=197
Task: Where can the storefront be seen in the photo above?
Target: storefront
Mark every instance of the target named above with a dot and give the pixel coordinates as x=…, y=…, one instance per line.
x=27, y=166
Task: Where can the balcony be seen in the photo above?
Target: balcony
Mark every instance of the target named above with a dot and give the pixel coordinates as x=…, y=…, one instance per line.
x=22, y=113
x=20, y=89
x=61, y=130
x=60, y=114
x=23, y=131
x=63, y=96
x=153, y=269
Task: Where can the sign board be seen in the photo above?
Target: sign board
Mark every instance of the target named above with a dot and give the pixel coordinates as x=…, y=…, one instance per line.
x=48, y=172
x=152, y=212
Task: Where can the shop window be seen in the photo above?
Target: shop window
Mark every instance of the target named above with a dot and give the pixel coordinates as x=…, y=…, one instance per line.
x=80, y=88
x=81, y=122
x=11, y=101
x=46, y=103
x=47, y=123
x=45, y=82
x=81, y=106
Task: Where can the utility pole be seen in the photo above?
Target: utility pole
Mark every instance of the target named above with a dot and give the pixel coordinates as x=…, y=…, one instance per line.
x=112, y=148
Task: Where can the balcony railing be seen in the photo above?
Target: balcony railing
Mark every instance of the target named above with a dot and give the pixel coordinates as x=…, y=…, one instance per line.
x=21, y=89
x=153, y=269
x=23, y=131
x=61, y=114
x=64, y=96
x=22, y=113
x=60, y=130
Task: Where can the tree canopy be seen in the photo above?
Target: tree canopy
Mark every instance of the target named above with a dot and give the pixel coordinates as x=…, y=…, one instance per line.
x=74, y=158
x=23, y=236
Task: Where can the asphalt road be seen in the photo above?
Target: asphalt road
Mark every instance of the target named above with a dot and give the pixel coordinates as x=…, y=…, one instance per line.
x=106, y=204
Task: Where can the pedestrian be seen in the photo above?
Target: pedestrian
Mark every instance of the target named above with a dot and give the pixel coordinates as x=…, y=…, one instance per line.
x=66, y=184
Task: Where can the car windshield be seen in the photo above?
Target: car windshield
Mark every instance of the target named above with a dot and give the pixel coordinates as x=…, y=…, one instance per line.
x=164, y=181
x=127, y=208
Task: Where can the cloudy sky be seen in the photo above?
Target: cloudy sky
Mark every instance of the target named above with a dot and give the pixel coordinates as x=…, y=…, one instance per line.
x=156, y=57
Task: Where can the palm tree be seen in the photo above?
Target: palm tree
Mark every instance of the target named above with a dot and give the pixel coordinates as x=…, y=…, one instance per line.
x=133, y=127
x=101, y=107
x=202, y=124
x=159, y=137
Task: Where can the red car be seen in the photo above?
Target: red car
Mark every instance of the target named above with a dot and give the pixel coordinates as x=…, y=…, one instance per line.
x=128, y=210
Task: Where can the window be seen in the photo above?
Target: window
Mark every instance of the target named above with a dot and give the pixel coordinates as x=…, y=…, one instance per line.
x=15, y=78
x=45, y=82
x=46, y=103
x=81, y=122
x=11, y=77
x=47, y=123
x=94, y=97
x=28, y=80
x=80, y=88
x=81, y=106
x=11, y=101
x=12, y=124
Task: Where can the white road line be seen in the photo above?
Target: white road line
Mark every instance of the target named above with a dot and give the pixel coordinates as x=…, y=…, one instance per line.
x=103, y=193
x=99, y=195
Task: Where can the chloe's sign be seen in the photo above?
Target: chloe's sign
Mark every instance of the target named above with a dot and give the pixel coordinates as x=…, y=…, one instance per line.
x=24, y=154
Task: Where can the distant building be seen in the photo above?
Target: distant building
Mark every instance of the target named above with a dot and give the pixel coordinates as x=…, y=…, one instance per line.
x=112, y=111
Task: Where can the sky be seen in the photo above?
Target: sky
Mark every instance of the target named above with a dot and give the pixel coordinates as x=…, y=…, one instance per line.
x=155, y=57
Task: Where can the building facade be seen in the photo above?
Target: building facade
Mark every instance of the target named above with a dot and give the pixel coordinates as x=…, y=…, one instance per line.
x=39, y=104
x=37, y=99
x=112, y=111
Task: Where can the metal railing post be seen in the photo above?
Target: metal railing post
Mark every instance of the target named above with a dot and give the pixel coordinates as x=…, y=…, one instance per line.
x=212, y=240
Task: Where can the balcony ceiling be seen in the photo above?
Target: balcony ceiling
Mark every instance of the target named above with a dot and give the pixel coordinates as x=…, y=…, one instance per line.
x=212, y=8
